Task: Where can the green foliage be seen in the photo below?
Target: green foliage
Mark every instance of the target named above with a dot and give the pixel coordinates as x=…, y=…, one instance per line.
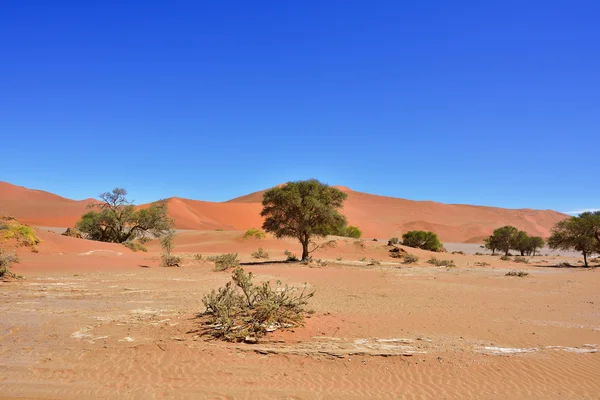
x=410, y=259
x=351, y=232
x=255, y=233
x=135, y=246
x=166, y=243
x=526, y=244
x=303, y=210
x=502, y=239
x=290, y=256
x=520, y=259
x=441, y=263
x=577, y=233
x=116, y=219
x=6, y=261
x=242, y=311
x=519, y=274
x=260, y=253
x=10, y=228
x=393, y=241
x=225, y=261
x=422, y=240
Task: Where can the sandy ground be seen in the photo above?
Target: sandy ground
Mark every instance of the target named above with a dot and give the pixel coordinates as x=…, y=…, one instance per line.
x=93, y=320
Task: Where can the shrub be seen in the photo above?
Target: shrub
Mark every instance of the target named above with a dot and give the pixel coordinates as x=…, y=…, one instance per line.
x=374, y=262
x=478, y=254
x=241, y=311
x=352, y=232
x=167, y=259
x=225, y=261
x=397, y=252
x=10, y=228
x=393, y=241
x=260, y=253
x=423, y=240
x=462, y=253
x=441, y=263
x=73, y=232
x=481, y=264
x=505, y=258
x=135, y=246
x=6, y=261
x=170, y=261
x=410, y=258
x=255, y=233
x=290, y=256
x=198, y=257
x=519, y=259
x=563, y=265
x=520, y=274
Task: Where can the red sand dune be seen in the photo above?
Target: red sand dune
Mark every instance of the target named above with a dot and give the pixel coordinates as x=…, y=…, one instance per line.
x=377, y=216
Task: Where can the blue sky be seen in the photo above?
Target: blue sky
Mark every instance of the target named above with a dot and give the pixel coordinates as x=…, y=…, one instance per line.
x=492, y=103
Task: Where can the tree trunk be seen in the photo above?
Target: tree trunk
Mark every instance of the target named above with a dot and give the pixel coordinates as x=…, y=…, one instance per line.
x=305, y=248
x=506, y=252
x=585, y=259
x=522, y=253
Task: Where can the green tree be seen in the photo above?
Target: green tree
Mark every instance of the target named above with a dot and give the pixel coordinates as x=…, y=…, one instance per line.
x=576, y=233
x=521, y=242
x=116, y=219
x=352, y=232
x=303, y=210
x=491, y=243
x=504, y=238
x=423, y=240
x=535, y=242
x=594, y=221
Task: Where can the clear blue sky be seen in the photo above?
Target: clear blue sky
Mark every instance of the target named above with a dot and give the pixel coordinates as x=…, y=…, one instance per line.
x=481, y=102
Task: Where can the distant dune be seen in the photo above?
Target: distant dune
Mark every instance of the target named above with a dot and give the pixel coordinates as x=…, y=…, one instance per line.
x=377, y=216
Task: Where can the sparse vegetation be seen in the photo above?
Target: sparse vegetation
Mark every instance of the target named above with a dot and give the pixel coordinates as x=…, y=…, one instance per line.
x=510, y=238
x=303, y=210
x=10, y=228
x=519, y=259
x=260, y=254
x=577, y=233
x=135, y=246
x=519, y=274
x=73, y=232
x=339, y=259
x=116, y=219
x=505, y=258
x=481, y=264
x=363, y=259
x=393, y=241
x=351, y=231
x=374, y=262
x=255, y=233
x=168, y=259
x=462, y=253
x=225, y=261
x=478, y=254
x=242, y=311
x=6, y=261
x=198, y=257
x=422, y=240
x=410, y=258
x=441, y=263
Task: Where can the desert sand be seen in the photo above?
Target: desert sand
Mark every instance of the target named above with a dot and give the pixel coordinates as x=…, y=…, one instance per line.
x=377, y=216
x=96, y=320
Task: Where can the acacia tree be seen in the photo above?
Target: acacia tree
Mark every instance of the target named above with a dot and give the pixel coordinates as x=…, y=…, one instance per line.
x=116, y=219
x=521, y=242
x=504, y=238
x=303, y=210
x=422, y=240
x=576, y=233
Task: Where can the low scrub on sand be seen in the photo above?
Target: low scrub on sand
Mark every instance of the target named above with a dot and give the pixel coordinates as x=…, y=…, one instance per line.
x=6, y=261
x=255, y=233
x=10, y=228
x=519, y=259
x=135, y=246
x=481, y=264
x=291, y=257
x=505, y=258
x=393, y=241
x=225, y=261
x=410, y=259
x=242, y=311
x=260, y=254
x=441, y=263
x=167, y=258
x=519, y=274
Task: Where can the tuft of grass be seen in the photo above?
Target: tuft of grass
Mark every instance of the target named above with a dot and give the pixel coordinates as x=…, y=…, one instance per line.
x=198, y=257
x=242, y=311
x=135, y=246
x=10, y=228
x=481, y=264
x=478, y=254
x=6, y=261
x=169, y=260
x=225, y=261
x=363, y=259
x=260, y=254
x=410, y=258
x=519, y=274
x=255, y=233
x=441, y=263
x=374, y=262
x=505, y=258
x=290, y=256
x=519, y=259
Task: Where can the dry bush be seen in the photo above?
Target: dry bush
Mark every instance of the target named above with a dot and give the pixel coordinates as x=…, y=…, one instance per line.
x=241, y=311
x=255, y=233
x=167, y=259
x=374, y=262
x=481, y=264
x=410, y=258
x=260, y=254
x=393, y=241
x=363, y=259
x=441, y=263
x=462, y=253
x=519, y=259
x=397, y=252
x=505, y=258
x=478, y=254
x=73, y=232
x=6, y=261
x=290, y=256
x=135, y=246
x=519, y=274
x=198, y=257
x=225, y=261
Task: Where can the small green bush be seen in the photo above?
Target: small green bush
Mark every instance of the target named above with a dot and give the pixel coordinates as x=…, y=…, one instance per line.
x=255, y=233
x=422, y=240
x=260, y=253
x=352, y=232
x=441, y=263
x=290, y=256
x=519, y=259
x=519, y=274
x=10, y=228
x=135, y=246
x=410, y=258
x=225, y=261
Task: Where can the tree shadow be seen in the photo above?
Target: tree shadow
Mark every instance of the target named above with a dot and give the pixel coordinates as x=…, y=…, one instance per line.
x=269, y=262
